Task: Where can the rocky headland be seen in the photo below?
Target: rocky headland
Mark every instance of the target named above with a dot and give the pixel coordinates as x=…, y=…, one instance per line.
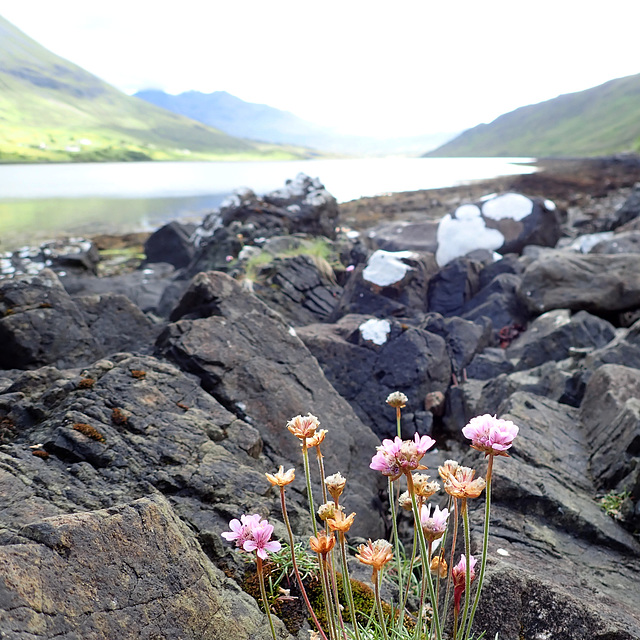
x=140, y=408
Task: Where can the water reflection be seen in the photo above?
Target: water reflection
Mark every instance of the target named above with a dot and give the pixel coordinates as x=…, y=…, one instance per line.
x=34, y=221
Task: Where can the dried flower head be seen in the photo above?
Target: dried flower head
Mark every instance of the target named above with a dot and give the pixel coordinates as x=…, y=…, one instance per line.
x=461, y=484
x=448, y=469
x=424, y=487
x=323, y=543
x=335, y=485
x=340, y=522
x=491, y=435
x=439, y=566
x=317, y=438
x=397, y=400
x=433, y=525
x=303, y=427
x=376, y=554
x=282, y=477
x=404, y=500
x=327, y=510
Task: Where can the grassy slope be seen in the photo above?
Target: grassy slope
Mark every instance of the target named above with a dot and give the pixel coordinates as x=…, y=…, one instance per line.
x=601, y=120
x=48, y=104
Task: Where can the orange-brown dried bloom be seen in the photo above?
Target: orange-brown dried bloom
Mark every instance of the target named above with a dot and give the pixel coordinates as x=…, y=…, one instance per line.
x=317, y=438
x=462, y=485
x=448, y=469
x=323, y=543
x=335, y=485
x=439, y=566
x=340, y=522
x=376, y=554
x=303, y=427
x=138, y=373
x=282, y=477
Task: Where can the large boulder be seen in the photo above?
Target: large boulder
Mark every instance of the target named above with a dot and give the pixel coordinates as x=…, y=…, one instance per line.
x=254, y=364
x=505, y=223
x=171, y=244
x=600, y=284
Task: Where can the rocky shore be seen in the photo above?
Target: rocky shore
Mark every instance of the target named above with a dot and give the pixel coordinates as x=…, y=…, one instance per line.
x=140, y=408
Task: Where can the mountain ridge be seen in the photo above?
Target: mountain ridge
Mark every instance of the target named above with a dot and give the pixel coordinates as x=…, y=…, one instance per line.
x=601, y=120
x=53, y=110
x=261, y=122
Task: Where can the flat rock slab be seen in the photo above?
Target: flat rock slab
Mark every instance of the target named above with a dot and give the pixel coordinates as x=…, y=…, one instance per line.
x=133, y=571
x=596, y=283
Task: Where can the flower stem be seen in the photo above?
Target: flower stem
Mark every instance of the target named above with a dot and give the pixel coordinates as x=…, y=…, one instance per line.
x=467, y=553
x=295, y=566
x=485, y=545
x=376, y=586
x=396, y=541
x=346, y=583
x=321, y=468
x=425, y=556
x=307, y=475
x=263, y=591
x=328, y=601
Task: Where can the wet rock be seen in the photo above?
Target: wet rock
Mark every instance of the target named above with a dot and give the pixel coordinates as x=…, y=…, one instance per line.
x=366, y=359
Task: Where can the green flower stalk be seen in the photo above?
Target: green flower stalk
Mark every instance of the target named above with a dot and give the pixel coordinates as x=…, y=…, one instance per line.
x=376, y=555
x=281, y=479
x=263, y=592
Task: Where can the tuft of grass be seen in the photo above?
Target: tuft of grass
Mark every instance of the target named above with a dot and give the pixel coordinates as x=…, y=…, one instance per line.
x=611, y=503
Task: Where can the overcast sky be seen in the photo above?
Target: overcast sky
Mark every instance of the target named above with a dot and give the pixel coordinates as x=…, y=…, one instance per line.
x=388, y=68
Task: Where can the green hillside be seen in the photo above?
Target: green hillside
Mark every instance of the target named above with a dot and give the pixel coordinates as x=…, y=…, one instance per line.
x=599, y=121
x=52, y=110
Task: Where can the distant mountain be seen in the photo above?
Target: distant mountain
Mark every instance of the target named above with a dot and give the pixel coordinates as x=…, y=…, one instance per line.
x=261, y=122
x=598, y=121
x=52, y=110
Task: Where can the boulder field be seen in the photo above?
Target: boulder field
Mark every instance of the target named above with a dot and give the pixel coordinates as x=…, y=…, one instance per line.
x=139, y=412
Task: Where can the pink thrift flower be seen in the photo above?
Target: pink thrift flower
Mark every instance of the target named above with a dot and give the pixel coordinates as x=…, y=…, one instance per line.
x=459, y=573
x=260, y=540
x=241, y=530
x=490, y=434
x=433, y=526
x=396, y=456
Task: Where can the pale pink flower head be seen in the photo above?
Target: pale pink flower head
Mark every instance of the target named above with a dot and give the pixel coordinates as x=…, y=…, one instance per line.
x=252, y=533
x=386, y=460
x=396, y=456
x=242, y=530
x=433, y=525
x=260, y=540
x=491, y=435
x=459, y=573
